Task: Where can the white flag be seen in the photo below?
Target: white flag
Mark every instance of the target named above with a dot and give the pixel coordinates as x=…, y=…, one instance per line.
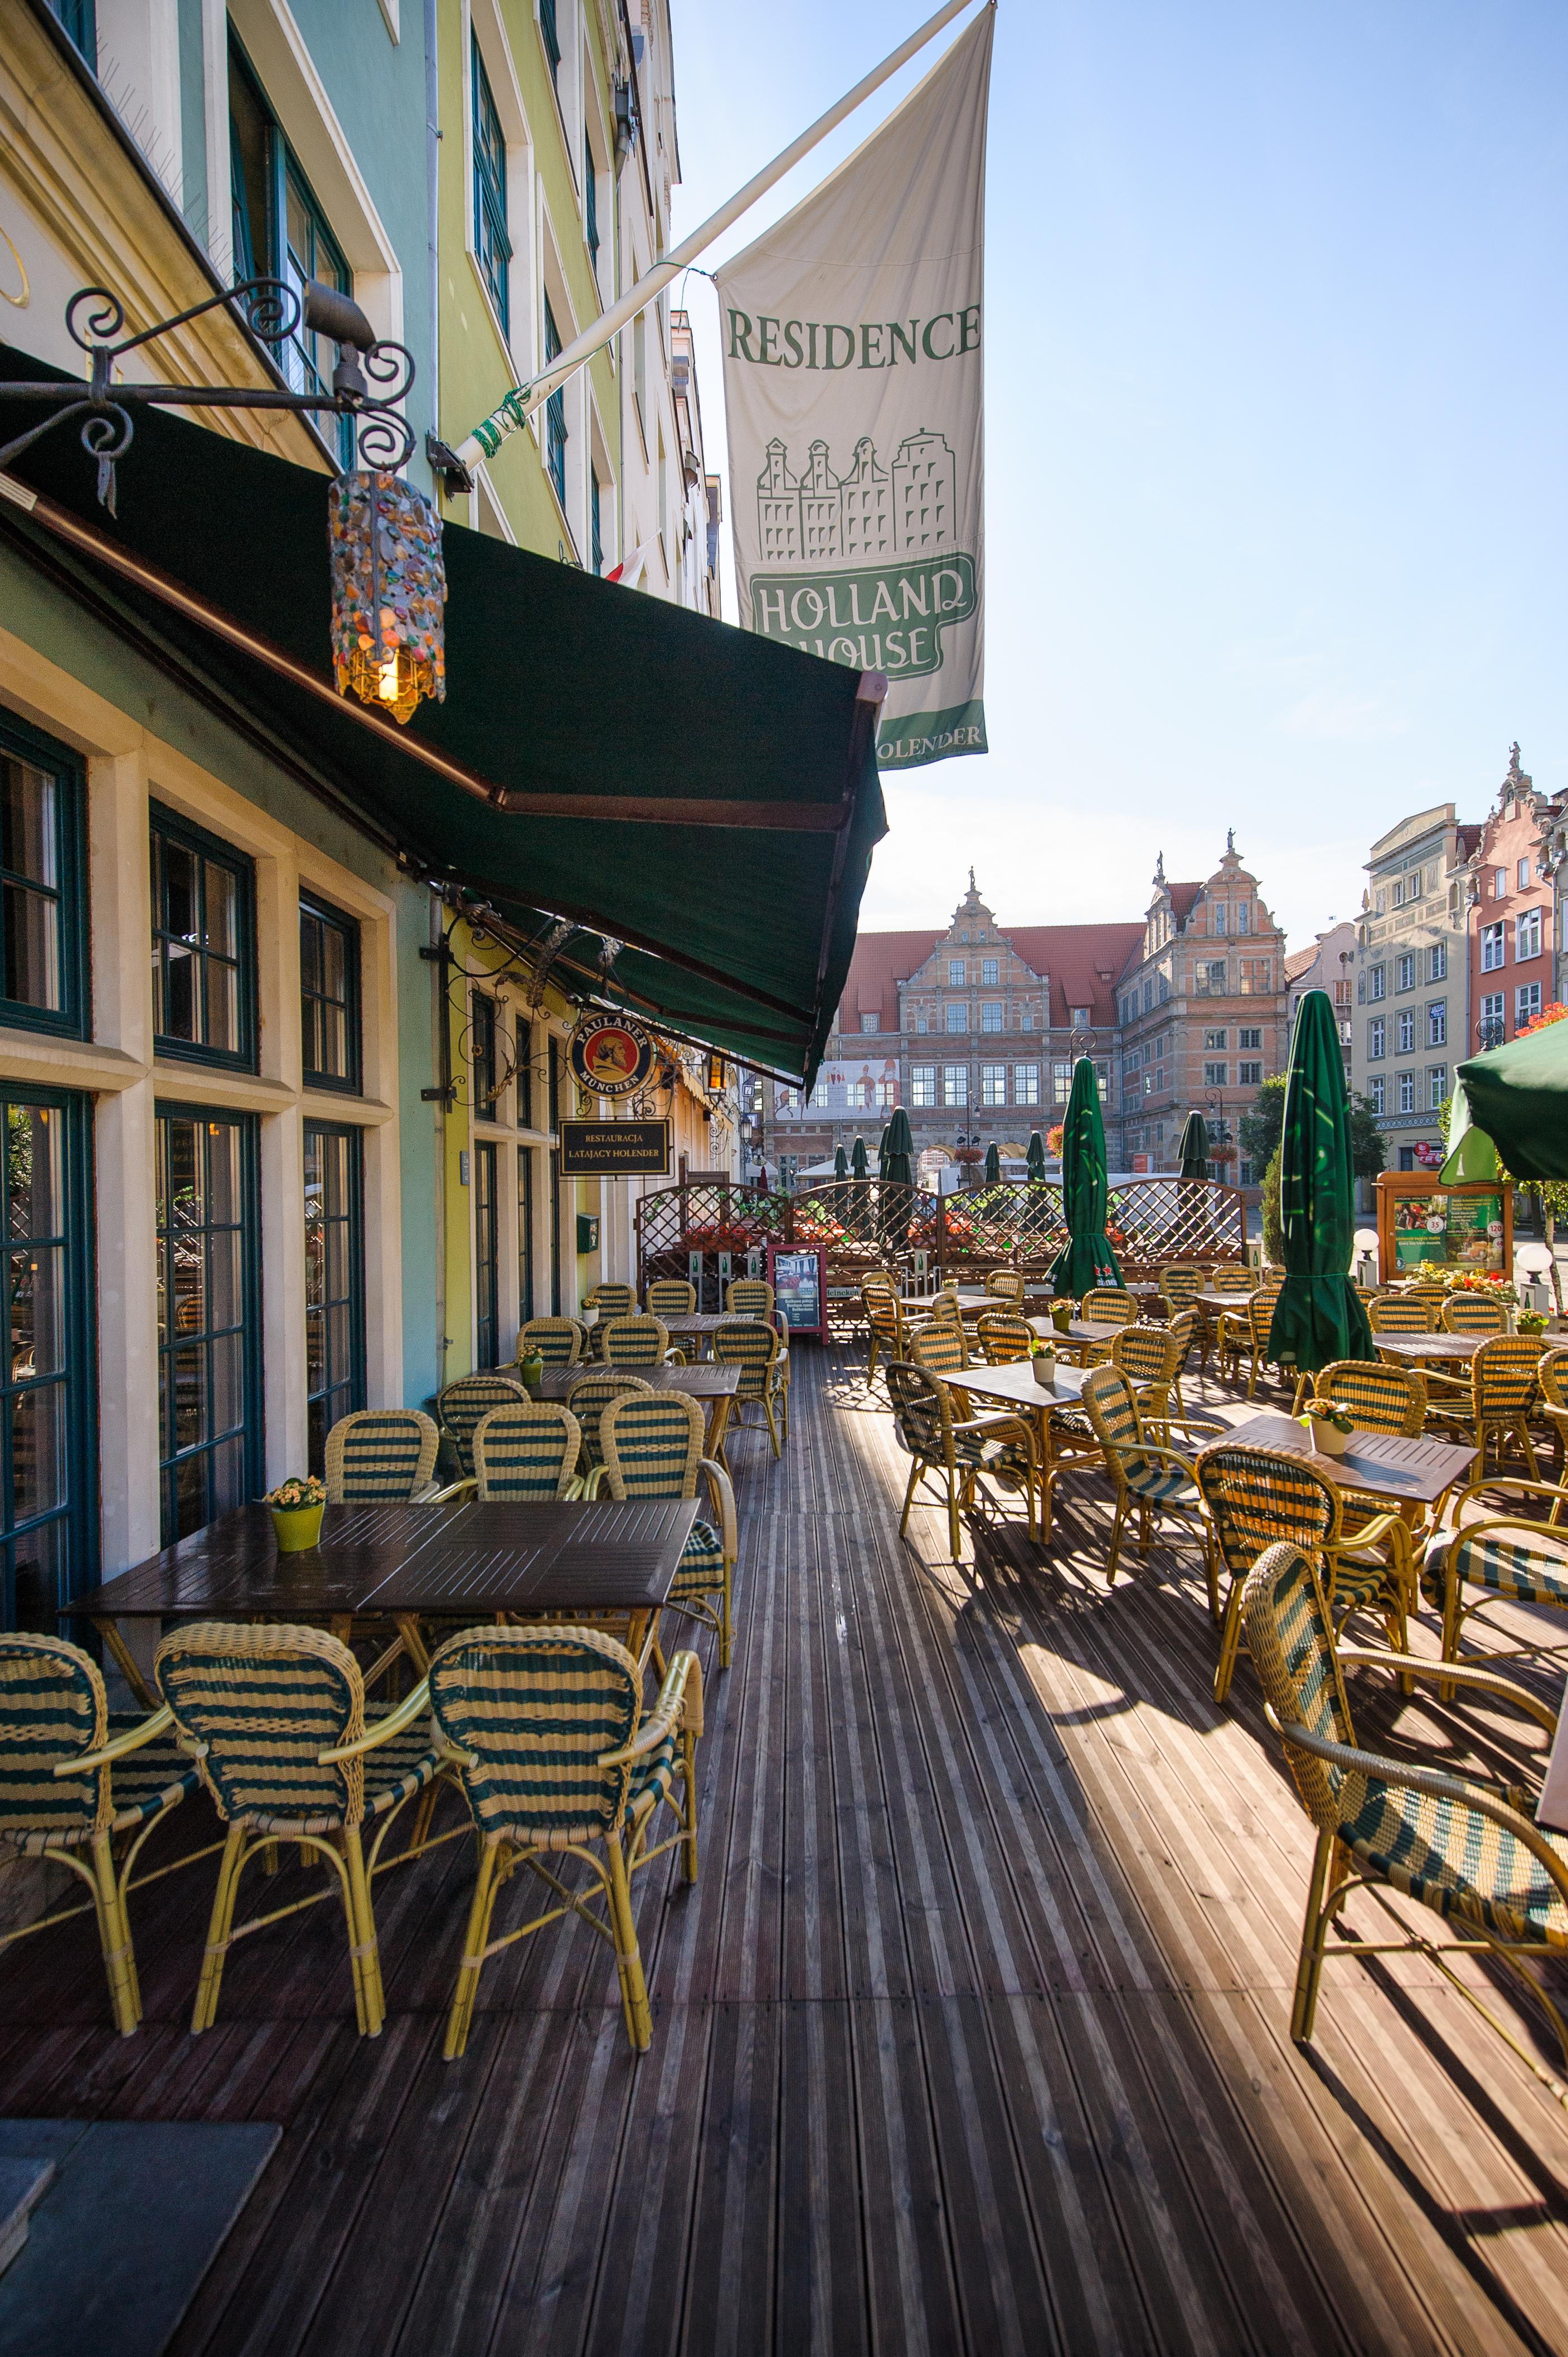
x=853, y=371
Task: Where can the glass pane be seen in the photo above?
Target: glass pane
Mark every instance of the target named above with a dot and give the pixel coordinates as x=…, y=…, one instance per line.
x=32, y=1170
x=189, y=1398
x=332, y=1041
x=225, y=1357
x=37, y=1313
x=32, y=947
x=179, y=891
x=28, y=831
x=38, y=1452
x=187, y=1193
x=338, y=1339
x=320, y=1417
x=189, y=1496
x=222, y=1005
x=309, y=952
x=221, y=895
x=225, y=1305
x=337, y=1258
x=40, y=1584
x=315, y=1349
x=179, y=993
x=224, y=1173
x=189, y=1287
x=334, y=962
x=228, y=1477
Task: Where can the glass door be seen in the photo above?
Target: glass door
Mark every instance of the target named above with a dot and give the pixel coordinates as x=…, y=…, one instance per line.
x=46, y=1400
x=209, y=1349
x=487, y=1263
x=334, y=1281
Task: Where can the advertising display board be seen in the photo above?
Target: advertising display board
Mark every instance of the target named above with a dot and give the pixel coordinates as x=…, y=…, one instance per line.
x=614, y=1149
x=800, y=1290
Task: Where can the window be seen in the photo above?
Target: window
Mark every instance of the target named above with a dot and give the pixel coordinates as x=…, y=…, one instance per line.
x=1493, y=1029
x=1062, y=1082
x=1524, y=875
x=1492, y=947
x=1377, y=1089
x=1407, y=1092
x=1527, y=1003
x=922, y=1084
x=1404, y=971
x=1219, y=917
x=79, y=19
x=1243, y=916
x=1437, y=1023
x=1342, y=994
x=49, y=1499
x=955, y=1085
x=922, y=1021
x=1209, y=982
x=590, y=205
x=956, y=1015
x=334, y=1282
x=1407, y=1030
x=885, y=1094
x=552, y=1073
x=993, y=1085
x=204, y=978
x=1249, y=1035
x=1248, y=1076
x=1437, y=1085
x=1377, y=1038
x=596, y=525
x=554, y=411
x=1500, y=884
x=991, y=1016
x=328, y=997
x=551, y=33
x=487, y=1256
x=1527, y=935
x=871, y=1022
x=1025, y=1084
x=524, y=1236
x=482, y=1055
x=1257, y=977
x=43, y=913
x=955, y=972
x=524, y=1072
x=988, y=973
x=1214, y=1076
x=1437, y=962
x=1379, y=982
x=209, y=1364
x=1220, y=1039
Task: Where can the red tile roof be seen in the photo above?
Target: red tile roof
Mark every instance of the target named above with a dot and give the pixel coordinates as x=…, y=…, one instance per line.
x=1182, y=898
x=1084, y=963
x=1299, y=960
x=880, y=963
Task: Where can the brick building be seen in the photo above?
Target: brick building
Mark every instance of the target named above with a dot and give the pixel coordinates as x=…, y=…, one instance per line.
x=1328, y=966
x=1511, y=911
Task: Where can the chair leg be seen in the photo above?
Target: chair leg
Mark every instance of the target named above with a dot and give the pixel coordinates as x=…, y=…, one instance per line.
x=772, y=1424
x=364, y=1954
x=114, y=1938
x=1229, y=1642
x=954, y=1532
x=628, y=1957
x=1116, y=1530
x=218, y=1930
x=725, y=1622
x=1211, y=1574
x=909, y=1497
x=689, y=1778
x=1314, y=1931
x=480, y=1909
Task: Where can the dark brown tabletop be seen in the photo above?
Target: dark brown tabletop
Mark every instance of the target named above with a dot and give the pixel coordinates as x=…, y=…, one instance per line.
x=1407, y=1472
x=1016, y=1385
x=706, y=1381
x=1077, y=1329
x=698, y=1321
x=575, y=1557
x=1209, y=1299
x=1417, y=1347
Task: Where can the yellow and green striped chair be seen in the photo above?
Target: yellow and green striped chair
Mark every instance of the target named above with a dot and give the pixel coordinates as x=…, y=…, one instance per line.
x=639, y=1341
x=1149, y=1357
x=529, y=1449
x=1004, y=1339
x=83, y=1790
x=749, y=1296
x=277, y=1721
x=1376, y=1396
x=1402, y=1313
x=608, y=1301
x=546, y=1734
x=559, y=1342
x=1148, y=1478
x=1472, y=1313
x=1497, y=1402
x=463, y=1406
x=381, y=1456
x=1184, y=1327
x=944, y=1348
x=1403, y=1825
x=957, y=1450
x=588, y=1398
x=1006, y=1286
x=1180, y=1281
x=671, y=1296
x=753, y=1346
x=653, y=1448
x=1514, y=1558
x=1248, y=1330
x=1108, y=1305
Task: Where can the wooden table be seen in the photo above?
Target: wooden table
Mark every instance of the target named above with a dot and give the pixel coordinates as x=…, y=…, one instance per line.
x=1015, y=1386
x=405, y=1563
x=697, y=1325
x=1419, y=1348
x=715, y=1386
x=1082, y=1334
x=1416, y=1473
x=1216, y=1303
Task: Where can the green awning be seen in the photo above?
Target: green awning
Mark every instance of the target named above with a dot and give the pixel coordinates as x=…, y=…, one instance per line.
x=1511, y=1105
x=701, y=794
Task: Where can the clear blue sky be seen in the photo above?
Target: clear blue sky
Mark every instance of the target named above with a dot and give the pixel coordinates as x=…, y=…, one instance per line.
x=1277, y=389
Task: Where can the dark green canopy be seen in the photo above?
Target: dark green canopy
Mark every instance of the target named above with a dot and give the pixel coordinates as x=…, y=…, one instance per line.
x=1037, y=1155
x=882, y=1155
x=993, y=1164
x=900, y=1143
x=841, y=1163
x=1086, y=1259
x=1319, y=1317
x=858, y=1162
x=1194, y=1147
x=1510, y=1106
x=706, y=796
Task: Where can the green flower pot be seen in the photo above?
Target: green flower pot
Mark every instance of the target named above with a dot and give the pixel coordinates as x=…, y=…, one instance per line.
x=297, y=1527
x=530, y=1373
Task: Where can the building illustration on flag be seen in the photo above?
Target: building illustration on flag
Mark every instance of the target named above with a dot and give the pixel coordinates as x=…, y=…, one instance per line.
x=873, y=511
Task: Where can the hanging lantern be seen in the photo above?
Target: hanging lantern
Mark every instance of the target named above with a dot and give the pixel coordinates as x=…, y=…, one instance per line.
x=389, y=592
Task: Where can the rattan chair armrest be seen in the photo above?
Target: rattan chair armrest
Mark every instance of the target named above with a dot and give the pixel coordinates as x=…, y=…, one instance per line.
x=1151, y=1448
x=431, y=1496
x=1369, y=1533
x=1504, y=1522
x=575, y=1491
x=1435, y=1375
x=1513, y=1481
x=723, y=1491
x=1432, y=1780
x=1418, y=1666
x=673, y=1358
x=132, y=1739
x=679, y=1705
x=995, y=1428
x=412, y=1705
x=592, y=1481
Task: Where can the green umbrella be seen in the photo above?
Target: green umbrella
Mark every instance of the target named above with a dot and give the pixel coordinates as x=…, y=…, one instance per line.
x=1194, y=1147
x=1037, y=1155
x=1318, y=1315
x=882, y=1155
x=1511, y=1106
x=898, y=1143
x=857, y=1159
x=1086, y=1259
x=992, y=1166
x=841, y=1163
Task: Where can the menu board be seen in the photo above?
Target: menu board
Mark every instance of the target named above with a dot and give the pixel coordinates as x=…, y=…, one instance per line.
x=800, y=1290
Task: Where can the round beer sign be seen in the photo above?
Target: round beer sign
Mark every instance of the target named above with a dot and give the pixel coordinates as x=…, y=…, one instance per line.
x=611, y=1055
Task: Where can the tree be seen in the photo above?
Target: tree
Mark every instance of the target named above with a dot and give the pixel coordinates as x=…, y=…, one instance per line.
x=1261, y=1125
x=1369, y=1148
x=1273, y=1225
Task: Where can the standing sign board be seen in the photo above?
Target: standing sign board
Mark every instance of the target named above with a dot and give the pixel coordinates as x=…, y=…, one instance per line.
x=800, y=1290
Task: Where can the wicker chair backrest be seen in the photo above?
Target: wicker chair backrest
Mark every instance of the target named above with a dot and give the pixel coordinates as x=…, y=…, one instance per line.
x=882, y=1315
x=1399, y=1314
x=671, y=1296
x=1006, y=1283
x=590, y=1395
x=1232, y=1280
x=749, y=1296
x=1291, y=1638
x=1107, y=1305
x=52, y=1706
x=1377, y=1398
x=940, y=1348
x=379, y=1455
x=527, y=1450
x=558, y=1340
x=534, y=1711
x=463, y=1405
x=1111, y=1407
x=921, y=1417
x=1505, y=1375
x=1255, y=1496
x=1146, y=1353
x=1429, y=1288
x=1003, y=1337
x=652, y=1446
x=263, y=1701
x=1182, y=1328
x=1474, y=1315
x=752, y=1346
x=635, y=1341
x=612, y=1301
x=1553, y=1379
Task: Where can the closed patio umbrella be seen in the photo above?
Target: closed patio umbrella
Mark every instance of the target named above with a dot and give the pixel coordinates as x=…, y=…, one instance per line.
x=1194, y=1147
x=992, y=1166
x=898, y=1141
x=857, y=1159
x=1319, y=1317
x=1086, y=1259
x=882, y=1155
x=1036, y=1155
x=841, y=1163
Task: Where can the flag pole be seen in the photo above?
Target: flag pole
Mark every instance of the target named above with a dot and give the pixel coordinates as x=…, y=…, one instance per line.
x=492, y=432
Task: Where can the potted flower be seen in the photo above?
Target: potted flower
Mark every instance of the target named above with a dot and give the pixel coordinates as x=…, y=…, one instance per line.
x=1330, y=1427
x=1531, y=1322
x=298, y=1506
x=1043, y=1362
x=530, y=1373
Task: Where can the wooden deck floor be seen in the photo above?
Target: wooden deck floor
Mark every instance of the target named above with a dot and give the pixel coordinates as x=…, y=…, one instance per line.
x=972, y=2036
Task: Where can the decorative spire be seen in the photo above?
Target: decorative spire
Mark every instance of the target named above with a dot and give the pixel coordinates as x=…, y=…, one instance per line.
x=1229, y=843
x=972, y=871
x=1160, y=867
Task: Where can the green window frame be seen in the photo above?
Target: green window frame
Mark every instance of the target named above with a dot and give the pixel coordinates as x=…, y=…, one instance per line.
x=483, y=1062
x=330, y=1056
x=524, y=1070
x=48, y=1390
x=44, y=979
x=210, y=1314
x=595, y=532
x=204, y=946
x=554, y=411
x=79, y=19
x=487, y=1257
x=590, y=203
x=525, y=1235
x=492, y=241
x=334, y=1280
x=551, y=33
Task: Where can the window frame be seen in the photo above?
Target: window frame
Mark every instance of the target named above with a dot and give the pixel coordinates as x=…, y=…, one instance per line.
x=992, y=1079
x=351, y=1084
x=1377, y=1038
x=1437, y=1023
x=1494, y=936
x=72, y=1019
x=172, y=826
x=1025, y=1084
x=955, y=1087
x=252, y=1428
x=557, y=435
x=922, y=1078
x=1527, y=927
x=490, y=227
x=352, y=1382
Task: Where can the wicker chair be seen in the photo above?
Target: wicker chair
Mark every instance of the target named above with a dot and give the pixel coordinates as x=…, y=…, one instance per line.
x=1234, y=1278
x=1180, y=1281
x=671, y=1296
x=1505, y=1380
x=558, y=1340
x=590, y=1395
x=1107, y=1305
x=1255, y=1496
x=556, y=1759
x=1376, y=1396
x=1398, y=1824
x=1184, y=1326
x=1248, y=1331
x=1507, y=1558
x=83, y=1790
x=753, y=1346
x=749, y=1296
x=381, y=1456
x=1149, y=1356
x=1004, y=1339
x=1551, y=1406
x=607, y=1301
x=1147, y=1477
x=956, y=1451
x=1400, y=1313
x=530, y=1449
x=1473, y=1314
x=891, y=1327
x=275, y=1717
x=943, y=1349
x=463, y=1405
x=653, y=1448
x=1243, y=1283
x=1006, y=1284
x=638, y=1341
